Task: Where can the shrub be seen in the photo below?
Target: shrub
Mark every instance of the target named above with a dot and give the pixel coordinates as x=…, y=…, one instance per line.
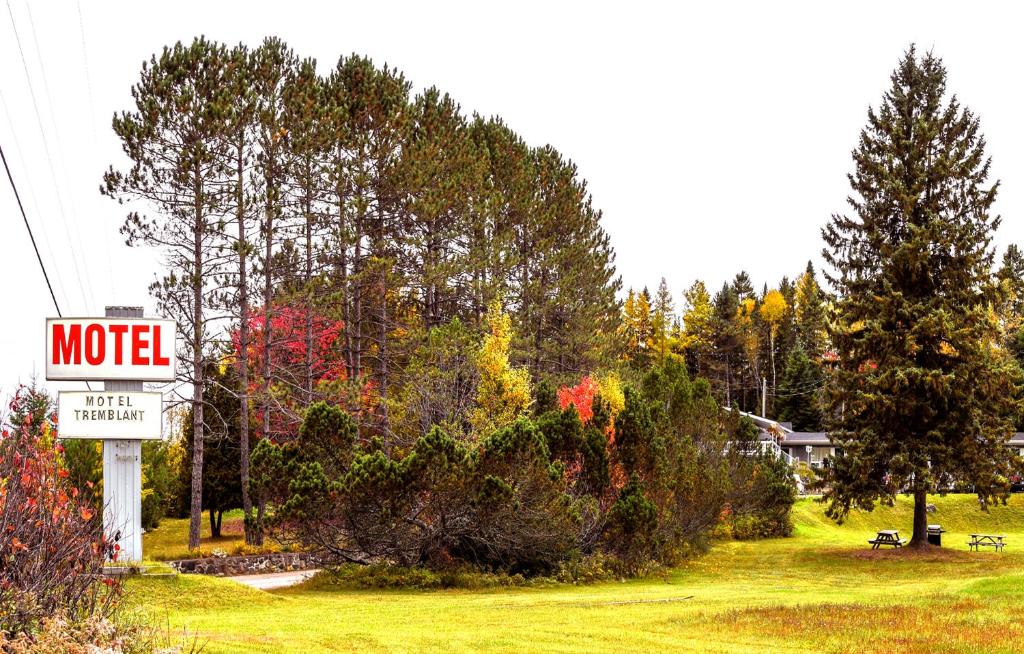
x=632, y=527
x=382, y=576
x=501, y=505
x=51, y=544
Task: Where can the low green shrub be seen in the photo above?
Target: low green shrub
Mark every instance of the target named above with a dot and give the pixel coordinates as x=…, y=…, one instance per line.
x=383, y=576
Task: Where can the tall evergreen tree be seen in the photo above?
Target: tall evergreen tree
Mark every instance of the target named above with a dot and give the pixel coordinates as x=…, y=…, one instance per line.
x=799, y=397
x=176, y=143
x=811, y=319
x=241, y=244
x=923, y=393
x=698, y=327
x=662, y=322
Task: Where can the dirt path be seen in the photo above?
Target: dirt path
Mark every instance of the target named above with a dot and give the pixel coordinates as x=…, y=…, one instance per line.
x=275, y=579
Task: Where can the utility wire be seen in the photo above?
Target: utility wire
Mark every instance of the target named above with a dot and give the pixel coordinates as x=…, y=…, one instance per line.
x=69, y=187
x=31, y=236
x=17, y=196
x=92, y=126
x=45, y=236
x=46, y=150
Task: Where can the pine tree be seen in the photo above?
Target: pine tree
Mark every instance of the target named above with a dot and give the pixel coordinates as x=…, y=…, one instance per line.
x=810, y=313
x=1011, y=285
x=241, y=245
x=799, y=398
x=726, y=343
x=662, y=321
x=923, y=393
x=698, y=323
x=742, y=285
x=176, y=142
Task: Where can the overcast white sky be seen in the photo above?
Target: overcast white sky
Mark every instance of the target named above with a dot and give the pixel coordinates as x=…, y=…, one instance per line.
x=715, y=137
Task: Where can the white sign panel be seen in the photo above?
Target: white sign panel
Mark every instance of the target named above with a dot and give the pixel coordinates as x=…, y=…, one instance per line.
x=88, y=349
x=110, y=415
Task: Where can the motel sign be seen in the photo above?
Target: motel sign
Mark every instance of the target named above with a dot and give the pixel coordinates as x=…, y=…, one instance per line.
x=122, y=350
x=86, y=349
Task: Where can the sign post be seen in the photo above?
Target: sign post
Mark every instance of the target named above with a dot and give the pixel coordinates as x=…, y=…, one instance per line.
x=122, y=350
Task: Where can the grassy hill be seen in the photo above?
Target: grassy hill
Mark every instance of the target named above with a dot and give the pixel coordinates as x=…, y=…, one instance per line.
x=823, y=590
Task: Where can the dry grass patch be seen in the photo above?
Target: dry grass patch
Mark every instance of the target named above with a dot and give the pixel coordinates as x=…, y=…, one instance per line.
x=941, y=624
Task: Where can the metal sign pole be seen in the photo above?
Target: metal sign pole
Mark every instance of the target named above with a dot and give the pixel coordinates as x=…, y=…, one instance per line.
x=122, y=473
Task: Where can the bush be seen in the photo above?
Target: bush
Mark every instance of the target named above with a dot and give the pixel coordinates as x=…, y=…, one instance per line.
x=502, y=504
x=51, y=543
x=632, y=527
x=58, y=634
x=383, y=576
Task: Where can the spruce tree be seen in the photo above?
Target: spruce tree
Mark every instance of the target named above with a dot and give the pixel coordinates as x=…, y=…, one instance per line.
x=810, y=313
x=799, y=398
x=923, y=393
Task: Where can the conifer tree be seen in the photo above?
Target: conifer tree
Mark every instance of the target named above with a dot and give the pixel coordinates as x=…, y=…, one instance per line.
x=662, y=322
x=923, y=393
x=799, y=398
x=811, y=313
x=302, y=119
x=272, y=63
x=1011, y=285
x=176, y=143
x=698, y=326
x=241, y=245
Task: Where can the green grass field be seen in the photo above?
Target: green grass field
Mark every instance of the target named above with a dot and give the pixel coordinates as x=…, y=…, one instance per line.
x=822, y=590
x=169, y=541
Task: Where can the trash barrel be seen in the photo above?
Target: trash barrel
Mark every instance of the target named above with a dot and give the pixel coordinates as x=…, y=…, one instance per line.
x=935, y=535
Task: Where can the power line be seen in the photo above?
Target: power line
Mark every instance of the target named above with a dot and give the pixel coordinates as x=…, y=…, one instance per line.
x=46, y=150
x=60, y=152
x=31, y=236
x=92, y=126
x=47, y=241
x=17, y=196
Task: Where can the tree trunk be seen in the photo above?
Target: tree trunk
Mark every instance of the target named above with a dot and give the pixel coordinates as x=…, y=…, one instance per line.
x=215, y=523
x=920, y=537
x=196, y=508
x=243, y=343
x=309, y=295
x=268, y=296
x=382, y=326
x=357, y=296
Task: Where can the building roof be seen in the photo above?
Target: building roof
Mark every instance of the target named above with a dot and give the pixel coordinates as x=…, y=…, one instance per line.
x=798, y=438
x=806, y=438
x=783, y=432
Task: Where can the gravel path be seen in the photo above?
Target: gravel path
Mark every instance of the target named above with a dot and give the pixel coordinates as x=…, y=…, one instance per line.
x=275, y=579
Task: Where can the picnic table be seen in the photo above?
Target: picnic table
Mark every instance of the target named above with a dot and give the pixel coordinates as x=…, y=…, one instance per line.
x=998, y=541
x=889, y=537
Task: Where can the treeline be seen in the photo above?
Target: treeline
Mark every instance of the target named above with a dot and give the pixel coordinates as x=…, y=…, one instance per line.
x=287, y=200
x=770, y=352
x=765, y=352
x=644, y=474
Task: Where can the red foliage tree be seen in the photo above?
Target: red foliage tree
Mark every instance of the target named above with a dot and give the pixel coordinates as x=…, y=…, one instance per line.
x=289, y=359
x=52, y=548
x=581, y=396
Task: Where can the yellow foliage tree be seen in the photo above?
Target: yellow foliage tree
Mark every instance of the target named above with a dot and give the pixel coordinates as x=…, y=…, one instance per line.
x=609, y=387
x=503, y=394
x=773, y=310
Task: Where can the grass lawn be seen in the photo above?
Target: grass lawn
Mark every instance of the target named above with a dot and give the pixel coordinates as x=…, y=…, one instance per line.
x=822, y=590
x=169, y=541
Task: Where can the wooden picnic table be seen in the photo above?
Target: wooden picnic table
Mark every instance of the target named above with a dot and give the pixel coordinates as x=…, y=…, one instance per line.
x=998, y=541
x=889, y=537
